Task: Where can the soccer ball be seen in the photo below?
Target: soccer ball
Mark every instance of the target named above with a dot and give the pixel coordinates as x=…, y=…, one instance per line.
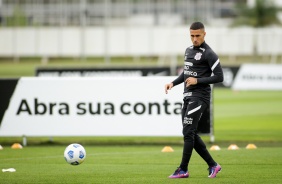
x=75, y=154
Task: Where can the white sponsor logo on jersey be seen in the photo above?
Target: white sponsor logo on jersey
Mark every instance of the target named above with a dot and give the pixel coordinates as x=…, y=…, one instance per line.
x=191, y=73
x=188, y=63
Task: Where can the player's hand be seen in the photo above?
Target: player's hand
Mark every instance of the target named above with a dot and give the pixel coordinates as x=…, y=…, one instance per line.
x=191, y=81
x=168, y=87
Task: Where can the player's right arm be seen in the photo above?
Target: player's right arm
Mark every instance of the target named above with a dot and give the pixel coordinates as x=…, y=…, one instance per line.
x=168, y=87
x=177, y=81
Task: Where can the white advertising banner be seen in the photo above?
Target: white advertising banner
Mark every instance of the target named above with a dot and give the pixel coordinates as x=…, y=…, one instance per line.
x=258, y=77
x=132, y=106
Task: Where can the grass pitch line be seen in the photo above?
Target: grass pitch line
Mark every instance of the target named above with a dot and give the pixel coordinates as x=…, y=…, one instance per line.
x=9, y=170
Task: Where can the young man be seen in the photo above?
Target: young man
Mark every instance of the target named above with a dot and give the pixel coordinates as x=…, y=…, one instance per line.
x=201, y=68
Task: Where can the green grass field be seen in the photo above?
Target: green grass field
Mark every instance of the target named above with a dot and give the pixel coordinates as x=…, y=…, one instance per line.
x=248, y=116
x=137, y=164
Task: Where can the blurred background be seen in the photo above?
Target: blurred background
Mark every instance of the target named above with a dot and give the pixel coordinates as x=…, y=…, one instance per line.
x=155, y=33
x=112, y=38
x=148, y=38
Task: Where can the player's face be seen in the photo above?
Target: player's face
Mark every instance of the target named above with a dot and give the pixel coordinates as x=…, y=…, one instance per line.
x=197, y=36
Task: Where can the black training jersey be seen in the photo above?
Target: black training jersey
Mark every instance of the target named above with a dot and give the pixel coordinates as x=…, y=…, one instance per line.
x=202, y=63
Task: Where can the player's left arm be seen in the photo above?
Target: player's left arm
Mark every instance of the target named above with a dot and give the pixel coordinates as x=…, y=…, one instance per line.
x=217, y=73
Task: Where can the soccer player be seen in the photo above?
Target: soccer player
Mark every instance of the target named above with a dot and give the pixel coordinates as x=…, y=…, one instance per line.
x=201, y=68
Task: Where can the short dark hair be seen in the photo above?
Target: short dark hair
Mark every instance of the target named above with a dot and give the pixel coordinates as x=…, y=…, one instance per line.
x=197, y=25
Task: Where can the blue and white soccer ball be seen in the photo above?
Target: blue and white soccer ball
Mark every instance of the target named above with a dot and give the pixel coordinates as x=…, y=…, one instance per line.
x=75, y=154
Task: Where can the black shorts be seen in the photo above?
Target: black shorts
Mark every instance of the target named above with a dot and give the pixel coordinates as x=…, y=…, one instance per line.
x=192, y=110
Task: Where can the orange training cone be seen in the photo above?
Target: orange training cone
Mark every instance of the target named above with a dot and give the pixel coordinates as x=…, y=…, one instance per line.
x=233, y=147
x=167, y=149
x=16, y=146
x=251, y=146
x=215, y=148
